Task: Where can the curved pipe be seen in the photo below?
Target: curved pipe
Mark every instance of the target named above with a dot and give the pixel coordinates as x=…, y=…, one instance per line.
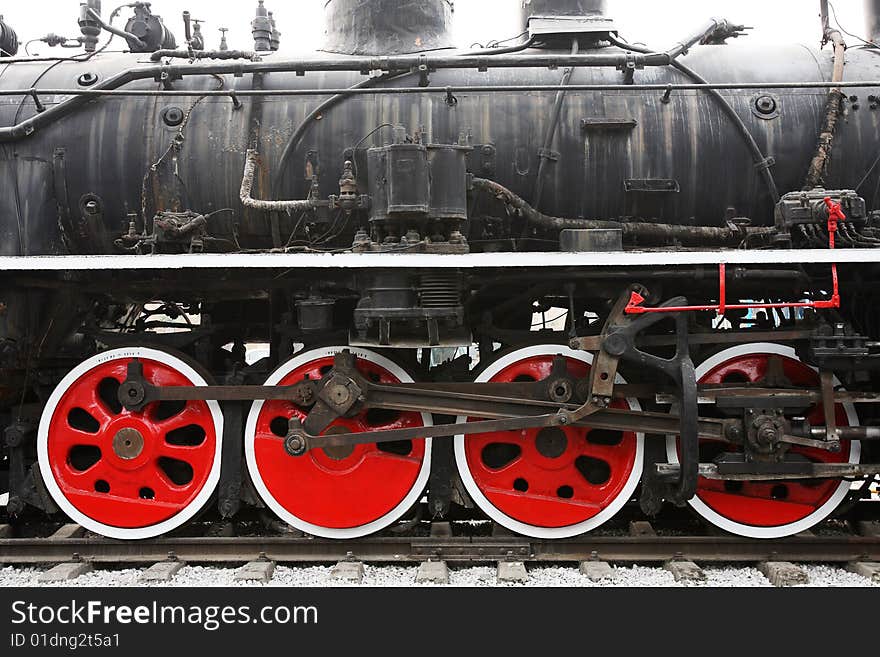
x=544, y=156
x=247, y=185
x=128, y=36
x=297, y=136
x=654, y=233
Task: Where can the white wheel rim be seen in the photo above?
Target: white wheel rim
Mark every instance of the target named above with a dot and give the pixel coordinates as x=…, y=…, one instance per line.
x=778, y=531
x=52, y=486
x=262, y=489
x=513, y=524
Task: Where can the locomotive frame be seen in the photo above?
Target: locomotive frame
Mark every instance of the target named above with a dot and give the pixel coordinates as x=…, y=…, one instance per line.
x=402, y=284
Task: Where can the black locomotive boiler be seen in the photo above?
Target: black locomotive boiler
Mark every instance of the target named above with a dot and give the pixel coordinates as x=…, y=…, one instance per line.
x=391, y=280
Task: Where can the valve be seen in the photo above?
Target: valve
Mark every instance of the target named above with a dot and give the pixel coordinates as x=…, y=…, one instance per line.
x=835, y=215
x=261, y=28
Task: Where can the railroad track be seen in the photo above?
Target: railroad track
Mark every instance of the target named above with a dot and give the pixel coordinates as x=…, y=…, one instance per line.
x=642, y=545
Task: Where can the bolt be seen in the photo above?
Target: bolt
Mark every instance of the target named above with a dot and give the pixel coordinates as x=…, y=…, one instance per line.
x=766, y=105
x=173, y=116
x=15, y=505
x=295, y=445
x=14, y=438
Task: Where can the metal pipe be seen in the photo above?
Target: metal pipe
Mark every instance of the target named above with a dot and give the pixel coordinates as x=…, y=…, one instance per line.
x=128, y=36
x=714, y=25
x=367, y=91
x=247, y=185
x=359, y=64
x=187, y=27
x=159, y=55
x=833, y=107
x=698, y=235
x=297, y=136
x=545, y=155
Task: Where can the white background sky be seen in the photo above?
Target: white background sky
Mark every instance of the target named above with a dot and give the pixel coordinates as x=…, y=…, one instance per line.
x=476, y=21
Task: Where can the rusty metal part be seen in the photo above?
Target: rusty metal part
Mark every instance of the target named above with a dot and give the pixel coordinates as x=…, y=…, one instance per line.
x=772, y=397
x=651, y=232
x=810, y=471
x=611, y=419
x=833, y=106
x=247, y=185
x=827, y=380
x=196, y=55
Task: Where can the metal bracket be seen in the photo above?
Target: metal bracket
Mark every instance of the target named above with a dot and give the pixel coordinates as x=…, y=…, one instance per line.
x=618, y=341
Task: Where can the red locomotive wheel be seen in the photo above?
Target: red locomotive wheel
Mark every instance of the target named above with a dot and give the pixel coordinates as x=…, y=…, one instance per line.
x=549, y=482
x=342, y=492
x=124, y=474
x=768, y=509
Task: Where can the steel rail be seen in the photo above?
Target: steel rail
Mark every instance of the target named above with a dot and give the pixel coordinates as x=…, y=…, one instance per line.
x=383, y=549
x=353, y=91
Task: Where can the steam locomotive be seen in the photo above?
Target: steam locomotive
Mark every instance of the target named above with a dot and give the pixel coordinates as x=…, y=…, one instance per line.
x=392, y=280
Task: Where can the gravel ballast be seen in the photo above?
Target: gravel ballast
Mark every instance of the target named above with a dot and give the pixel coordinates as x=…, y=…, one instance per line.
x=476, y=576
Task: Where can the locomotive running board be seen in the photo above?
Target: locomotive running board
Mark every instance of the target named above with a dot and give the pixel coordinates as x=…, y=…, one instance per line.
x=434, y=261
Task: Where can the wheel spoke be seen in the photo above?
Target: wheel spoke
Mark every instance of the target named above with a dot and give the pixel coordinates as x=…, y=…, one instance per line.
x=191, y=415
x=337, y=492
x=541, y=491
x=762, y=509
x=123, y=494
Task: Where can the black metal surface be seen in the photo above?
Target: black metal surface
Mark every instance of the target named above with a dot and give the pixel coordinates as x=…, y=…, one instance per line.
x=709, y=549
x=706, y=191
x=8, y=40
x=872, y=19
x=564, y=8
x=387, y=27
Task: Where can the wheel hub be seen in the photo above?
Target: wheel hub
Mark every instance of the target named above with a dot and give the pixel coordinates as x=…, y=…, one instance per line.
x=128, y=443
x=551, y=442
x=339, y=452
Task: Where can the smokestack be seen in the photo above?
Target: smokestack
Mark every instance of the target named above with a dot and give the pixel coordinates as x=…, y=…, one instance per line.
x=872, y=17
x=387, y=27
